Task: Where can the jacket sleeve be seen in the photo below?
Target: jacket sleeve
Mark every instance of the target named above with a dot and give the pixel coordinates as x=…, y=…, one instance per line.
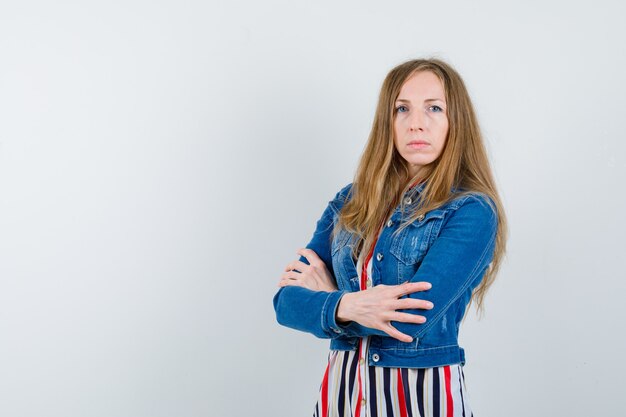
x=314, y=311
x=455, y=262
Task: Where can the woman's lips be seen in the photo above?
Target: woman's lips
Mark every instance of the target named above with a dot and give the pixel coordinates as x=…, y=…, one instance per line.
x=418, y=144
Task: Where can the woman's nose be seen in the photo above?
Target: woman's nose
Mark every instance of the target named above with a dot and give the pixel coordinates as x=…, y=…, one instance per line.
x=417, y=121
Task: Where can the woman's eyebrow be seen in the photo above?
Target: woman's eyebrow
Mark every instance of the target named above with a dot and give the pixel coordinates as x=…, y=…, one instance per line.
x=403, y=100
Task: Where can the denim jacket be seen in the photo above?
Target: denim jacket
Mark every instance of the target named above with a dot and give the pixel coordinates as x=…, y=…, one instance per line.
x=450, y=247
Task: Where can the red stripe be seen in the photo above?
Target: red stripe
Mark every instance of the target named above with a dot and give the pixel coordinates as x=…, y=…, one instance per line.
x=364, y=269
x=357, y=412
x=450, y=405
x=325, y=393
x=359, y=397
x=401, y=399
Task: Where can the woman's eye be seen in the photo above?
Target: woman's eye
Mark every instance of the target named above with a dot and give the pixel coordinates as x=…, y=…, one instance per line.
x=401, y=109
x=436, y=109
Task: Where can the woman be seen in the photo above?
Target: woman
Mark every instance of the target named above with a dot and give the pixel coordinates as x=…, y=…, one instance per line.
x=399, y=254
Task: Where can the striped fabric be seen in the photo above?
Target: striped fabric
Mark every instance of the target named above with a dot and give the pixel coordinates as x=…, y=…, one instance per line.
x=351, y=388
x=390, y=392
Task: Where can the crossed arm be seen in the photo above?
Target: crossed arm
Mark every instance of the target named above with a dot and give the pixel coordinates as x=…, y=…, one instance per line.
x=309, y=300
x=374, y=308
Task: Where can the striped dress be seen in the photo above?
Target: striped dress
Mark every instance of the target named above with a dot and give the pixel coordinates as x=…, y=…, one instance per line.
x=351, y=388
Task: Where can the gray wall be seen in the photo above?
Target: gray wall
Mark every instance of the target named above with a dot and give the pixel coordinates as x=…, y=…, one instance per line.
x=161, y=162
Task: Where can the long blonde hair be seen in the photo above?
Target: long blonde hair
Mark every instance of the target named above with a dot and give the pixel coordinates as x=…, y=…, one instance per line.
x=382, y=176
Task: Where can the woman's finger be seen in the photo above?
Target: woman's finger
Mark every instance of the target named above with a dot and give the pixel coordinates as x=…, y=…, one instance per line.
x=291, y=266
x=408, y=318
x=285, y=277
x=297, y=265
x=412, y=304
x=289, y=282
x=411, y=287
x=396, y=334
x=310, y=256
x=291, y=275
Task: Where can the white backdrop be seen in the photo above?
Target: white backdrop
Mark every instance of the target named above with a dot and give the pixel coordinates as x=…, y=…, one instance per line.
x=162, y=161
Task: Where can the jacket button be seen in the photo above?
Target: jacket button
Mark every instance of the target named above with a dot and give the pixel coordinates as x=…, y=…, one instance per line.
x=379, y=256
x=420, y=217
x=368, y=283
x=389, y=223
x=375, y=357
x=408, y=200
x=336, y=330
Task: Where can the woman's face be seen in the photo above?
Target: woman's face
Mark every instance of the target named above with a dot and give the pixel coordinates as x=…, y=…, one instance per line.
x=421, y=122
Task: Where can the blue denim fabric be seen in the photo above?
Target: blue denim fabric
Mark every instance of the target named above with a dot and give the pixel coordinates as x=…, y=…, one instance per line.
x=450, y=247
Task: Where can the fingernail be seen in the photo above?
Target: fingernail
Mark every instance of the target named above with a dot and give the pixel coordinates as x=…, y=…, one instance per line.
x=430, y=305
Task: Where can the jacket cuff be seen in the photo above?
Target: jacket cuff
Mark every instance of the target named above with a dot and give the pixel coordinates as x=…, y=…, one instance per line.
x=329, y=314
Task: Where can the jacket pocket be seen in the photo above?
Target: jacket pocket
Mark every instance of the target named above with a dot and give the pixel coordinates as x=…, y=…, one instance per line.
x=411, y=244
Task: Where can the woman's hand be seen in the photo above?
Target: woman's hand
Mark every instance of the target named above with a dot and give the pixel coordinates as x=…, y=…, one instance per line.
x=378, y=306
x=314, y=276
